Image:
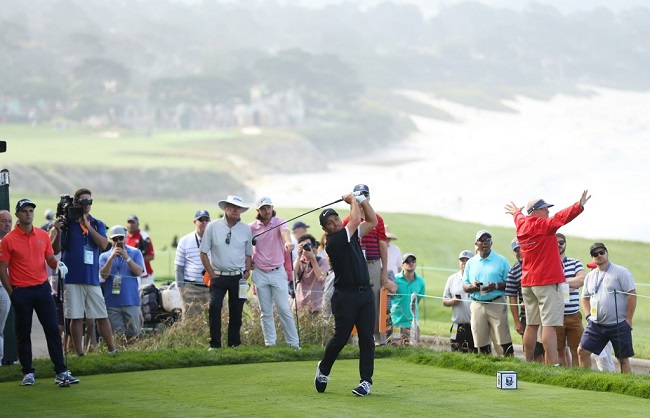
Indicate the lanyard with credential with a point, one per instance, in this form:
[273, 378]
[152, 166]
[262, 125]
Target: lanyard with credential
[600, 282]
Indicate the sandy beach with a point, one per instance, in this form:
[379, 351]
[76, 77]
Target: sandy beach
[468, 170]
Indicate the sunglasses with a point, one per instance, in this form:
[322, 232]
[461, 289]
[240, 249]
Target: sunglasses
[228, 238]
[561, 242]
[598, 253]
[85, 202]
[486, 239]
[117, 239]
[203, 219]
[410, 261]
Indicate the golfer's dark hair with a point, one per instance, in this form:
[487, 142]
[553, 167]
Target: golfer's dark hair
[310, 237]
[259, 217]
[82, 191]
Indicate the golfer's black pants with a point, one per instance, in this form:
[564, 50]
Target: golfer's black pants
[218, 288]
[352, 308]
[26, 301]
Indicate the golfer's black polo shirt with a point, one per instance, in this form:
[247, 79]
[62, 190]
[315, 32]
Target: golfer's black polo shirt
[348, 262]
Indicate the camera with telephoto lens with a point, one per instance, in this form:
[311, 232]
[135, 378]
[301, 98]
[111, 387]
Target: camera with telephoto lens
[306, 246]
[67, 210]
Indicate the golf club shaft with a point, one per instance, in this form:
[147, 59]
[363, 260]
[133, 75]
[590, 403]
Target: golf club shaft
[295, 217]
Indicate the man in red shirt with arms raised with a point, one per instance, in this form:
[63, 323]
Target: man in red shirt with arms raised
[542, 271]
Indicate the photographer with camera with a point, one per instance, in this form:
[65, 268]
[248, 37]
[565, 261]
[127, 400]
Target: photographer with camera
[310, 271]
[140, 240]
[121, 269]
[81, 238]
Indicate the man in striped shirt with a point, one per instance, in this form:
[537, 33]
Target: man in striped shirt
[516, 299]
[570, 334]
[189, 269]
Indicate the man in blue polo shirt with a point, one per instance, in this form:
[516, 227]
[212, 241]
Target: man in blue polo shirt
[80, 242]
[485, 280]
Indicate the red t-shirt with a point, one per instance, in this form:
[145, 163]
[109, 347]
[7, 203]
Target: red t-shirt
[134, 241]
[370, 241]
[26, 254]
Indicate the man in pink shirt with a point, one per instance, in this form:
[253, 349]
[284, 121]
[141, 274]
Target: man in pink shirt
[269, 275]
[542, 271]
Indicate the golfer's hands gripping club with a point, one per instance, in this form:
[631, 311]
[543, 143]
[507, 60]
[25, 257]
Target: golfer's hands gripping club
[359, 196]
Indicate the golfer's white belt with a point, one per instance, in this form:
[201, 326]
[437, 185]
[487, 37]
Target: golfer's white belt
[228, 273]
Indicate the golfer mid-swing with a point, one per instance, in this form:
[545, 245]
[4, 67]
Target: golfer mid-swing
[353, 302]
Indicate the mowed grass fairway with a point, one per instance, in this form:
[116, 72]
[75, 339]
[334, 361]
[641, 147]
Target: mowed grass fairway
[287, 390]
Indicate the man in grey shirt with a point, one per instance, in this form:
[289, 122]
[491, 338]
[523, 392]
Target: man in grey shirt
[609, 302]
[229, 242]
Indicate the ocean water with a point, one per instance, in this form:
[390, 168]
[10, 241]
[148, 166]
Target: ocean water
[469, 169]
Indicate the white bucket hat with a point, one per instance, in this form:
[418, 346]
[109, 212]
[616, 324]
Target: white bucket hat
[233, 200]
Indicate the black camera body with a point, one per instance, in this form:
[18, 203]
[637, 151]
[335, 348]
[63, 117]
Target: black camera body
[67, 210]
[306, 246]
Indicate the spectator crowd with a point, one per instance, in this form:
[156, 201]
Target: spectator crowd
[94, 276]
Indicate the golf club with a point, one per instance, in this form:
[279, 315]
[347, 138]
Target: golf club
[254, 240]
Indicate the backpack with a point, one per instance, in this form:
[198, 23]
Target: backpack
[150, 304]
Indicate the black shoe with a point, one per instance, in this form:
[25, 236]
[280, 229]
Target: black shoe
[320, 381]
[363, 389]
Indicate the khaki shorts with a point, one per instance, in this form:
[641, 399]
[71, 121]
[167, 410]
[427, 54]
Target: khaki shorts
[544, 305]
[486, 316]
[571, 332]
[80, 299]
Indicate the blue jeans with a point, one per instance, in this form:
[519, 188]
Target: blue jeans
[26, 301]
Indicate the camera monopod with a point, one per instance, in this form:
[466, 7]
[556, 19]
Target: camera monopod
[295, 217]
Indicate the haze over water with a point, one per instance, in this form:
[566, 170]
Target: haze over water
[469, 169]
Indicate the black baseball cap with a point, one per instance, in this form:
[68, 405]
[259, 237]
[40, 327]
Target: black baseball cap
[326, 214]
[361, 188]
[24, 202]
